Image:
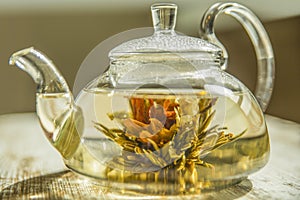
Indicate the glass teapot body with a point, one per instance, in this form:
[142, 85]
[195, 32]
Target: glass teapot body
[207, 129]
[165, 118]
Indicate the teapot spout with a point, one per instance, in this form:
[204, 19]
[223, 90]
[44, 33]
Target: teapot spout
[41, 69]
[60, 118]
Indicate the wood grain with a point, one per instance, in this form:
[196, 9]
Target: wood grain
[31, 169]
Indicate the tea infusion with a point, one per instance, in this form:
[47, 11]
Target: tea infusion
[165, 138]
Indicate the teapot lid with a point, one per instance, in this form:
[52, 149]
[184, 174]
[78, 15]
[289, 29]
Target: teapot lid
[166, 41]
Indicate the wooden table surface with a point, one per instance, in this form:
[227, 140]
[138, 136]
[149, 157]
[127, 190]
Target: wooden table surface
[31, 169]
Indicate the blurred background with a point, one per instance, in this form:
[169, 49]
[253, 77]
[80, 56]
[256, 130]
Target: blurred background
[68, 30]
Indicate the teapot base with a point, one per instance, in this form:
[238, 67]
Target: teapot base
[229, 170]
[157, 190]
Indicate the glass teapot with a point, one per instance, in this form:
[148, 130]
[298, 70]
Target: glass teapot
[165, 118]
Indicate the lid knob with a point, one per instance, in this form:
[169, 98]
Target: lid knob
[164, 16]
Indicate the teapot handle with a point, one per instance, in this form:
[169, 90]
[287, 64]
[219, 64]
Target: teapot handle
[259, 38]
